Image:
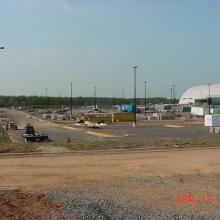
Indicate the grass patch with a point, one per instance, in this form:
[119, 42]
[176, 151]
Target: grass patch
[150, 144]
[20, 148]
[4, 139]
[72, 145]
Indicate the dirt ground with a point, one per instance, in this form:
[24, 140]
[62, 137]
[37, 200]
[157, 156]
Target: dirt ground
[158, 177]
[27, 206]
[37, 172]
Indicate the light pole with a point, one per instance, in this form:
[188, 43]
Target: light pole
[122, 95]
[135, 98]
[174, 95]
[2, 48]
[95, 97]
[71, 98]
[171, 96]
[145, 97]
[209, 98]
[46, 96]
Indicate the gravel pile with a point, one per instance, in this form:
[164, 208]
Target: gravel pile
[87, 206]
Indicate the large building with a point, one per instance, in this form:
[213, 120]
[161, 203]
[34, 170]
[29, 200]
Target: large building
[200, 94]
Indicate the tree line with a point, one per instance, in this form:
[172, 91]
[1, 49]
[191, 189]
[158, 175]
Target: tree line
[43, 101]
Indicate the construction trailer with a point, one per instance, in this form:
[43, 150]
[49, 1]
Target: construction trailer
[213, 122]
[199, 110]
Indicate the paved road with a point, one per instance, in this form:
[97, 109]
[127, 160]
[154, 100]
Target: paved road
[55, 132]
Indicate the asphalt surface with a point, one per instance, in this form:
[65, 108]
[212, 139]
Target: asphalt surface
[55, 132]
[162, 130]
[145, 130]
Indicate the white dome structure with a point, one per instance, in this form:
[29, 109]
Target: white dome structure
[200, 93]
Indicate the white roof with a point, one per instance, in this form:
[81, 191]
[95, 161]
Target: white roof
[200, 92]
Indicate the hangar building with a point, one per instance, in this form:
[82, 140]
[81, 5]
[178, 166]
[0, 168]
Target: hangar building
[200, 94]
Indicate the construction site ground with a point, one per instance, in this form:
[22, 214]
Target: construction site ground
[144, 180]
[145, 130]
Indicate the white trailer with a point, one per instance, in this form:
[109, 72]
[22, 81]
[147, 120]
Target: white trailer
[199, 111]
[213, 122]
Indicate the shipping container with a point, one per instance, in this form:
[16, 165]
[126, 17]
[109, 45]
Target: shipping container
[128, 108]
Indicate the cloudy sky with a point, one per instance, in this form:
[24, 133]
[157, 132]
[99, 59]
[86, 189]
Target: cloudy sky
[49, 43]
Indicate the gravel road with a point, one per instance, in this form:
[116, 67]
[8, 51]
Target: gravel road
[90, 207]
[131, 185]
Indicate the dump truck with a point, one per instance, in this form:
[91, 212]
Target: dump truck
[31, 135]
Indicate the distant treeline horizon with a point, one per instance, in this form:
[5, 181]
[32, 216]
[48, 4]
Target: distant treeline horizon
[43, 101]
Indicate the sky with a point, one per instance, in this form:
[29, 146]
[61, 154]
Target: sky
[50, 43]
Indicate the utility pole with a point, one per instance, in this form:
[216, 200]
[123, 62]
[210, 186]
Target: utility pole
[95, 98]
[135, 98]
[145, 98]
[71, 98]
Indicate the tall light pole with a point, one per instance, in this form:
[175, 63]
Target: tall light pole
[135, 98]
[46, 96]
[95, 97]
[123, 93]
[2, 48]
[171, 95]
[145, 97]
[71, 98]
[209, 98]
[174, 94]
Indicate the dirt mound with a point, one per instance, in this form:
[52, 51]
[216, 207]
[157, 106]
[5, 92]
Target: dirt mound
[27, 206]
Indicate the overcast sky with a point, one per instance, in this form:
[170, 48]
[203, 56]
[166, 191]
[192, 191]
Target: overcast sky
[49, 43]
